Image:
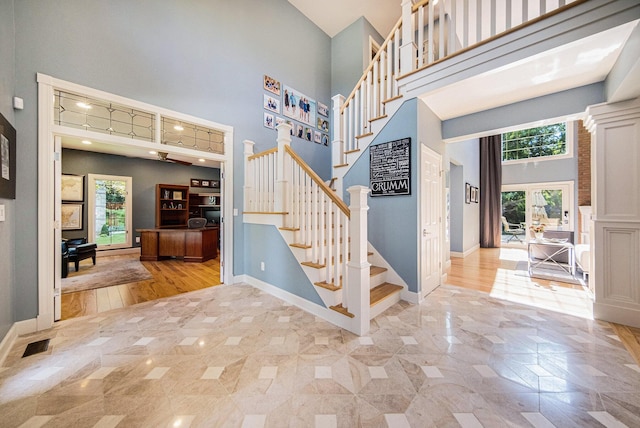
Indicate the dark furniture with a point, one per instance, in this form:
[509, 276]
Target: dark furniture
[65, 260]
[79, 249]
[192, 245]
[172, 205]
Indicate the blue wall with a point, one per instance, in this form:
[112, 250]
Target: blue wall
[393, 219]
[465, 218]
[206, 59]
[281, 267]
[350, 55]
[7, 228]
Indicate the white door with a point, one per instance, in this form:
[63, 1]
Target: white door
[430, 214]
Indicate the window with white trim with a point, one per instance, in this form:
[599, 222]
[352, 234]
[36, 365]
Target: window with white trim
[549, 141]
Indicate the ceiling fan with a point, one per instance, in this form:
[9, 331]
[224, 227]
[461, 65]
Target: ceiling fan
[163, 156]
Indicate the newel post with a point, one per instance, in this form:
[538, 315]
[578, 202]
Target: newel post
[358, 265]
[408, 49]
[337, 145]
[248, 176]
[282, 168]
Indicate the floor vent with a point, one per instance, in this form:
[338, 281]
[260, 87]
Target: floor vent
[36, 347]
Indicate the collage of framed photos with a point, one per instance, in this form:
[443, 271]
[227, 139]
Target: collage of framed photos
[309, 119]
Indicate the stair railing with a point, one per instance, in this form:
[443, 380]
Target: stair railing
[278, 181]
[428, 32]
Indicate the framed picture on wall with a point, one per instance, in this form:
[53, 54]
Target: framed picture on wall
[271, 85]
[71, 215]
[7, 159]
[72, 188]
[269, 121]
[467, 193]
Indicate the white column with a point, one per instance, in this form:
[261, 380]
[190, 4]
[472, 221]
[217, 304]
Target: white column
[337, 145]
[615, 204]
[282, 175]
[248, 176]
[358, 267]
[408, 48]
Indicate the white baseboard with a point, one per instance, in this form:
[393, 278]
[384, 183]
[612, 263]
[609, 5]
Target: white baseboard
[466, 253]
[410, 296]
[7, 344]
[325, 313]
[27, 326]
[617, 314]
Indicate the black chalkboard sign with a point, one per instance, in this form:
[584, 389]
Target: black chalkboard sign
[390, 168]
[7, 159]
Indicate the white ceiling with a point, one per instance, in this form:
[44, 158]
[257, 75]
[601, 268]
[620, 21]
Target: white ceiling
[333, 16]
[576, 64]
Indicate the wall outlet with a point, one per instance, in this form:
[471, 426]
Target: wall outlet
[137, 239]
[262, 266]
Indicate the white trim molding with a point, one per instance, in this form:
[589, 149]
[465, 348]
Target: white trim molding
[615, 204]
[49, 196]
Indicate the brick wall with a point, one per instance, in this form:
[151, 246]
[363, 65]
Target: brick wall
[584, 165]
[584, 171]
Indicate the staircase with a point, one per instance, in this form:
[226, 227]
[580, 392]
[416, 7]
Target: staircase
[428, 33]
[327, 238]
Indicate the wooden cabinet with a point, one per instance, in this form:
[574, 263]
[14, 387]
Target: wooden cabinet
[172, 205]
[206, 205]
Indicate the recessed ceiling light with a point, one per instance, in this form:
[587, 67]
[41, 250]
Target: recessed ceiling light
[86, 142]
[153, 152]
[178, 128]
[83, 105]
[201, 160]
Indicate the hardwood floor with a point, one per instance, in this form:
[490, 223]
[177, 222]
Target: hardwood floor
[170, 277]
[497, 271]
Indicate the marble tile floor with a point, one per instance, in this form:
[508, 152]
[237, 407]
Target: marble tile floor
[233, 356]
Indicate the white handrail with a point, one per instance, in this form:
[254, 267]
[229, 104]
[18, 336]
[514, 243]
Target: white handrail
[279, 181]
[428, 32]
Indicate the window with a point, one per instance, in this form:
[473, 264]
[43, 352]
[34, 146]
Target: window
[550, 204]
[540, 142]
[110, 211]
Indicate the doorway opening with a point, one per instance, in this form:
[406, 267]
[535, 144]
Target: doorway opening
[123, 134]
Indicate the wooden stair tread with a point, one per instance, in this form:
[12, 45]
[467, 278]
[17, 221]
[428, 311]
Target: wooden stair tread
[376, 270]
[377, 295]
[368, 134]
[304, 246]
[328, 286]
[292, 229]
[322, 265]
[351, 151]
[342, 165]
[383, 291]
[378, 118]
[397, 97]
[339, 308]
[313, 265]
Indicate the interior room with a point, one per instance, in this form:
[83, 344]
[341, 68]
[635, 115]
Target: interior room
[384, 213]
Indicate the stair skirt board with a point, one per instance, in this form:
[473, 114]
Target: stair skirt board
[326, 314]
